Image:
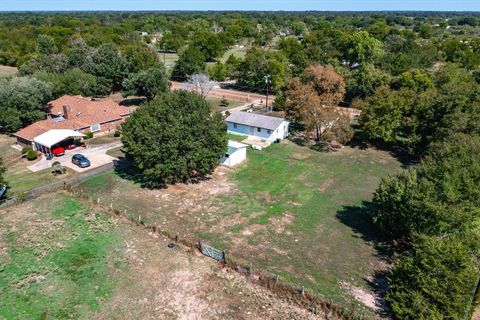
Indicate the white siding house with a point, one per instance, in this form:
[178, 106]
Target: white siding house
[257, 126]
[236, 153]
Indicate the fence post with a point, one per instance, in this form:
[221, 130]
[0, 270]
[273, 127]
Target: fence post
[98, 200]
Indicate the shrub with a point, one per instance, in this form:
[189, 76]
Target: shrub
[117, 134]
[26, 149]
[224, 103]
[89, 135]
[31, 155]
[55, 163]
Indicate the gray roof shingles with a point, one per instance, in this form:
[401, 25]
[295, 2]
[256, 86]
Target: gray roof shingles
[255, 120]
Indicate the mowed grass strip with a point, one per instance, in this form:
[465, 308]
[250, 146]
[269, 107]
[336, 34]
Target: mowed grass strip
[58, 263]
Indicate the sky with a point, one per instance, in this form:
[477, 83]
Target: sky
[287, 5]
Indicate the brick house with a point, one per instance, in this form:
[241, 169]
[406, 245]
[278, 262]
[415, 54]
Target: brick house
[79, 114]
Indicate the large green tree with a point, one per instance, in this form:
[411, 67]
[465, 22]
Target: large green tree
[259, 63]
[362, 48]
[46, 45]
[71, 82]
[139, 57]
[191, 61]
[421, 112]
[439, 196]
[174, 138]
[209, 44]
[22, 101]
[148, 83]
[109, 67]
[436, 279]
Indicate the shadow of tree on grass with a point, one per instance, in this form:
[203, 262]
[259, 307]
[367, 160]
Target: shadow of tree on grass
[125, 169]
[358, 218]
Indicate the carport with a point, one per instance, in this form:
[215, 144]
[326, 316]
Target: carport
[47, 140]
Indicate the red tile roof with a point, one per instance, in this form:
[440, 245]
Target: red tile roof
[82, 113]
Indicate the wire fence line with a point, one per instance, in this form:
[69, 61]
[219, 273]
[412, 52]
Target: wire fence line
[285, 289]
[55, 186]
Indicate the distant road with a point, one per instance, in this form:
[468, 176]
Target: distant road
[248, 97]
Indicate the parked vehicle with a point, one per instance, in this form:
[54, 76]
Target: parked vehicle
[3, 191]
[80, 160]
[59, 151]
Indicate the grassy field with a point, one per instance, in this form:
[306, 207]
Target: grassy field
[288, 209]
[18, 176]
[215, 104]
[236, 51]
[60, 259]
[170, 59]
[103, 139]
[6, 71]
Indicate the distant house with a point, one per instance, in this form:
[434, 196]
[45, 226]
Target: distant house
[257, 126]
[76, 113]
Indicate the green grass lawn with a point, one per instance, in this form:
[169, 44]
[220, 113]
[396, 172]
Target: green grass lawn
[289, 209]
[170, 59]
[18, 176]
[116, 152]
[236, 137]
[58, 260]
[103, 139]
[21, 179]
[215, 104]
[237, 52]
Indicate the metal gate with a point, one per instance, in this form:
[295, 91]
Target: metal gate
[211, 252]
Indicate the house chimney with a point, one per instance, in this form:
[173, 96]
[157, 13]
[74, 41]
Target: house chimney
[66, 111]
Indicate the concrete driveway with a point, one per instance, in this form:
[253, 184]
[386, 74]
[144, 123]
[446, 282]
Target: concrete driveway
[96, 154]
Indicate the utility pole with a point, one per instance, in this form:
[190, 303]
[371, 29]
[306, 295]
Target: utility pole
[267, 82]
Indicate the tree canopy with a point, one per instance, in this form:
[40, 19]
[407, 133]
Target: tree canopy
[22, 101]
[174, 138]
[148, 83]
[313, 101]
[191, 61]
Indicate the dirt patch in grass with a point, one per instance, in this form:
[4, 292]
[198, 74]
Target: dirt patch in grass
[279, 223]
[138, 277]
[365, 297]
[300, 218]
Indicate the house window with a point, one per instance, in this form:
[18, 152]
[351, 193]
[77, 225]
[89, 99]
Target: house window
[259, 129]
[95, 127]
[269, 131]
[235, 126]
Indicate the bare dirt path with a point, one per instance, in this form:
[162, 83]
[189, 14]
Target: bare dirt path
[248, 97]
